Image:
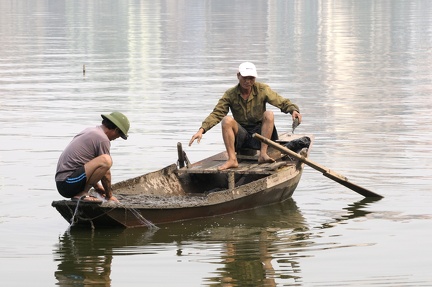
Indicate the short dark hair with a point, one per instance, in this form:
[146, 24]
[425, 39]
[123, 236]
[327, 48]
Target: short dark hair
[109, 124]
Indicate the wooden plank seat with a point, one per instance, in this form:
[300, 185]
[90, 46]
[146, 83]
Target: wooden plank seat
[248, 163]
[247, 159]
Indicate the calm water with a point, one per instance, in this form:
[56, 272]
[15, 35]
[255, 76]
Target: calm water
[359, 70]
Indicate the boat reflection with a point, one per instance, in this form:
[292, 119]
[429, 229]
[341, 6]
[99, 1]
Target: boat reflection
[256, 247]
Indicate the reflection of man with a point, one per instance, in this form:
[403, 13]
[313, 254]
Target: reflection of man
[247, 102]
[80, 265]
[242, 269]
[259, 254]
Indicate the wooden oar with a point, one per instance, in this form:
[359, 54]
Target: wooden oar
[325, 171]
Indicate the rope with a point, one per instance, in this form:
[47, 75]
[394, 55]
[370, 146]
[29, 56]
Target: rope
[76, 217]
[73, 221]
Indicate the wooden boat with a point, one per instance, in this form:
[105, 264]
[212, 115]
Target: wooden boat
[184, 191]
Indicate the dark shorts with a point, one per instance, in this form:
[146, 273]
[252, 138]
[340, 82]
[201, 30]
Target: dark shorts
[244, 137]
[74, 184]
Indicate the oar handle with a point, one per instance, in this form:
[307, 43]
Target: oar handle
[310, 163]
[285, 150]
[325, 171]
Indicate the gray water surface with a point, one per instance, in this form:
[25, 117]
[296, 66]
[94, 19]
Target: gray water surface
[360, 72]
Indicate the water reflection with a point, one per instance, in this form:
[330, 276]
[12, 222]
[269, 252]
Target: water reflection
[85, 258]
[356, 209]
[256, 248]
[82, 261]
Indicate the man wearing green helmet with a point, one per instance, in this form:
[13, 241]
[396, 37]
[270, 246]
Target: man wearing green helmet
[87, 160]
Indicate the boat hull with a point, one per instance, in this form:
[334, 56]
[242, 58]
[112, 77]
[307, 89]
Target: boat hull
[94, 214]
[184, 193]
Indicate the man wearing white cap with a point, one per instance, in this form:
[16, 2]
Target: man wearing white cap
[247, 102]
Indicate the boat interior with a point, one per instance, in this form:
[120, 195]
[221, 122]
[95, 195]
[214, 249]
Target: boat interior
[203, 177]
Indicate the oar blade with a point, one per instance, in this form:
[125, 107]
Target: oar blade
[324, 170]
[360, 190]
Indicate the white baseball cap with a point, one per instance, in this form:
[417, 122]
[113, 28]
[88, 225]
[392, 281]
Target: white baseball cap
[247, 69]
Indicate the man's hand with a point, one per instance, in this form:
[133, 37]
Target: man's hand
[297, 115]
[99, 189]
[197, 136]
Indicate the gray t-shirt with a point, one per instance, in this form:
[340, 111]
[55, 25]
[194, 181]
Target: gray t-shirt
[85, 146]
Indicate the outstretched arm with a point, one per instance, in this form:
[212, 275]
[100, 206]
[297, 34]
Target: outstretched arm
[197, 136]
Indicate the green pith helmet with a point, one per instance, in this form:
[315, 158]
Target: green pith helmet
[120, 121]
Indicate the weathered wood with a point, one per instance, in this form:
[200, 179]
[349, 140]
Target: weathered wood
[231, 178]
[243, 168]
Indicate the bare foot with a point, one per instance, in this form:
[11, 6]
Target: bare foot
[231, 163]
[265, 159]
[113, 198]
